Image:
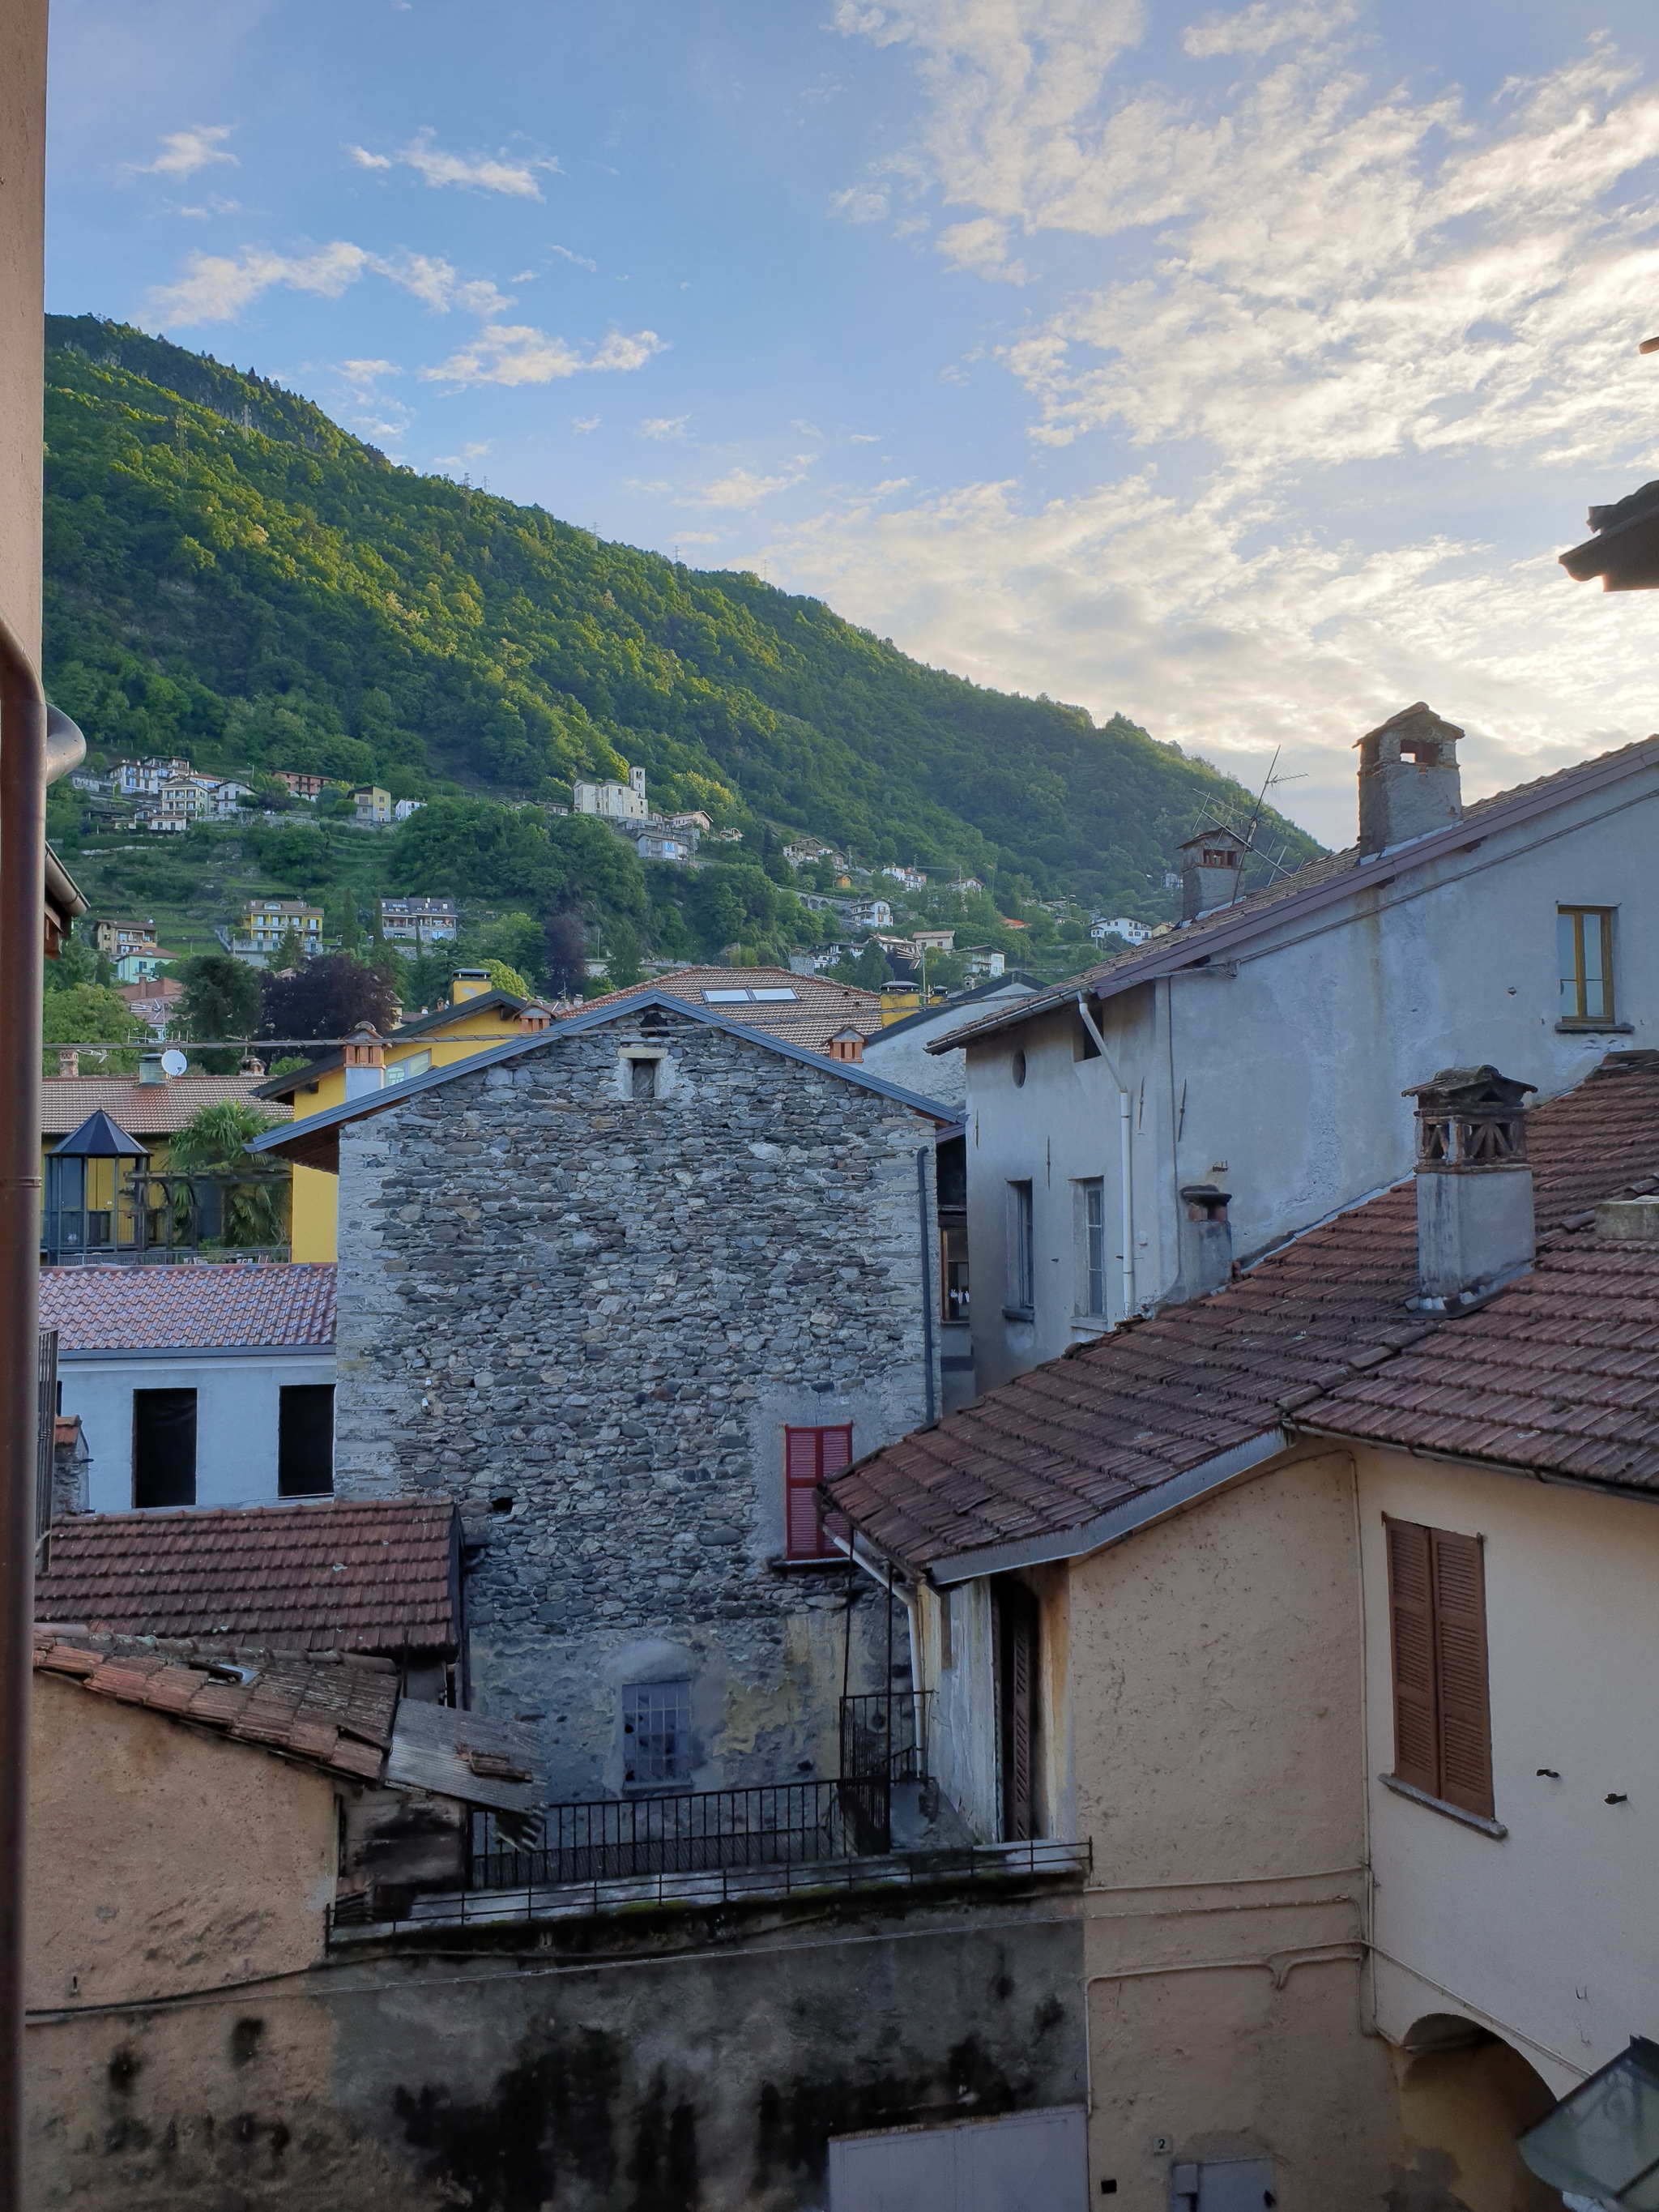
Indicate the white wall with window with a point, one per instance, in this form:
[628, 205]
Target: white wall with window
[201, 1427]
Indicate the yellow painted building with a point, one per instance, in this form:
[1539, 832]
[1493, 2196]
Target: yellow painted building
[478, 1018]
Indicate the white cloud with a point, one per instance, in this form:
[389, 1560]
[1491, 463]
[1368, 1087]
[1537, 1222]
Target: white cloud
[860, 203]
[511, 175]
[664, 426]
[742, 488]
[183, 152]
[981, 247]
[581, 260]
[583, 424]
[216, 287]
[518, 353]
[367, 371]
[438, 285]
[1260, 27]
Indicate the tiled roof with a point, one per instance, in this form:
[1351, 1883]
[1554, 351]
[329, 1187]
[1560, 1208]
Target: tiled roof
[143, 1110]
[1111, 1420]
[333, 1712]
[203, 1305]
[1329, 875]
[819, 1010]
[341, 1575]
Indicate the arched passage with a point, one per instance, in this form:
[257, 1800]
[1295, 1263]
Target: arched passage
[1464, 2096]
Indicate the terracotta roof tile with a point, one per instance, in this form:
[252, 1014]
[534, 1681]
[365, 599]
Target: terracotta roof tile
[341, 1575]
[144, 1110]
[130, 1309]
[1320, 1328]
[819, 1010]
[290, 1702]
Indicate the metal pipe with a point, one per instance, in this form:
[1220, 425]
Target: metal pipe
[22, 903]
[1126, 1158]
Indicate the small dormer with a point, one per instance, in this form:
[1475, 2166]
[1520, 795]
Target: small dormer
[1209, 866]
[1409, 783]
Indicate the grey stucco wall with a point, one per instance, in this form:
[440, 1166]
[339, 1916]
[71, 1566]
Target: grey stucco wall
[630, 2067]
[238, 1405]
[589, 1317]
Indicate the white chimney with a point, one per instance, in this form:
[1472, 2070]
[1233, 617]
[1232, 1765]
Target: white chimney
[1409, 783]
[1474, 1222]
[365, 1061]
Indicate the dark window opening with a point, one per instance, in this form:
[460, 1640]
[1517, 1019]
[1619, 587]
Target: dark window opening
[304, 1440]
[1016, 1698]
[642, 1078]
[1022, 1253]
[809, 1456]
[656, 1734]
[953, 1267]
[163, 1448]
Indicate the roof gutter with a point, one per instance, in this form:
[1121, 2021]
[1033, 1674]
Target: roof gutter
[1118, 1522]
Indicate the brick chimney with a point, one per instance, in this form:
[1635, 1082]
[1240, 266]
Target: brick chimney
[1409, 783]
[847, 1044]
[365, 1061]
[1474, 1225]
[1209, 872]
[68, 1061]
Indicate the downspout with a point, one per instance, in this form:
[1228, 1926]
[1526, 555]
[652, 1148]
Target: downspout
[1126, 1158]
[927, 1286]
[36, 745]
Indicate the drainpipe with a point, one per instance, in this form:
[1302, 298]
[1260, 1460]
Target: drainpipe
[37, 745]
[1126, 1158]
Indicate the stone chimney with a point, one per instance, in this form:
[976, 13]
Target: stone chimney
[1474, 1225]
[1408, 779]
[365, 1061]
[68, 1061]
[847, 1044]
[1209, 866]
[1205, 1239]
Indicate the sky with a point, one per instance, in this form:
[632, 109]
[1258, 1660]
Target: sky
[1240, 371]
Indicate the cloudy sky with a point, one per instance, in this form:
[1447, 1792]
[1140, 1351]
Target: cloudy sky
[1242, 371]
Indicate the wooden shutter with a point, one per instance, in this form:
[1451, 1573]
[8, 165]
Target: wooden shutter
[1459, 1624]
[809, 1456]
[1017, 1623]
[1411, 1615]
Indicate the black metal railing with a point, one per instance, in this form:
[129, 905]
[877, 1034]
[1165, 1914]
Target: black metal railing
[885, 1735]
[617, 1839]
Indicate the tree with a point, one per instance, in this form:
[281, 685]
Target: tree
[503, 978]
[222, 996]
[251, 1188]
[327, 998]
[515, 939]
[565, 961]
[86, 1012]
[870, 971]
[290, 954]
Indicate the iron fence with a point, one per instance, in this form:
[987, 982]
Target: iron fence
[614, 1839]
[885, 1735]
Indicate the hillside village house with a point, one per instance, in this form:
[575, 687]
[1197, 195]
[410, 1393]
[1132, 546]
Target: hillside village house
[115, 939]
[266, 921]
[197, 1385]
[1311, 1603]
[1134, 1132]
[612, 801]
[626, 1289]
[372, 805]
[419, 921]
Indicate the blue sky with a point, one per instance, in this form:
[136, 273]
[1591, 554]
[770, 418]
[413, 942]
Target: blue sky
[1242, 370]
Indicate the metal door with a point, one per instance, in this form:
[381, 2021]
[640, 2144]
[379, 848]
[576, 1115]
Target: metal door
[1225, 2184]
[1026, 2162]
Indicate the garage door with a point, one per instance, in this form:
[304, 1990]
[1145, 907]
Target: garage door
[1027, 2162]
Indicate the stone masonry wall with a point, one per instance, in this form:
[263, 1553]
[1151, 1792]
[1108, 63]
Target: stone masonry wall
[589, 1316]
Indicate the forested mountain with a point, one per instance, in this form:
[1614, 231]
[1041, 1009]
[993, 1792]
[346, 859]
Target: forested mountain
[231, 575]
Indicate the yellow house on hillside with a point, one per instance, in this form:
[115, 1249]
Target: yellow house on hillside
[477, 1018]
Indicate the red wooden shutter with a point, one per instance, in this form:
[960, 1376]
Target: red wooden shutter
[1459, 1622]
[809, 1456]
[1410, 1613]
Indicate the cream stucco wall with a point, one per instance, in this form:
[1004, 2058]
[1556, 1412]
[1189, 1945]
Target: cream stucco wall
[1547, 1936]
[163, 1859]
[22, 211]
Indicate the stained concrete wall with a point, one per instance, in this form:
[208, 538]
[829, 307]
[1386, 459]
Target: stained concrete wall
[589, 1318]
[163, 1860]
[699, 2064]
[22, 229]
[1278, 1074]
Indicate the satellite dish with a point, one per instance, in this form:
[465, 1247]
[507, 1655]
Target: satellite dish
[173, 1061]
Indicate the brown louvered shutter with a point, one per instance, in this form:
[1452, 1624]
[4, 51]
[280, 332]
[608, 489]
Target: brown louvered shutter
[809, 1455]
[1459, 1621]
[1411, 1615]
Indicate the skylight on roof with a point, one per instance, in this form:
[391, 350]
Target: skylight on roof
[726, 998]
[768, 997]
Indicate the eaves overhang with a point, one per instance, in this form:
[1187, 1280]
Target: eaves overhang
[1189, 949]
[308, 1142]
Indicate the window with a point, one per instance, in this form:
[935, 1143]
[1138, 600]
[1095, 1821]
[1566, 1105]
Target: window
[656, 1734]
[1438, 1616]
[953, 1269]
[163, 1448]
[304, 1440]
[1017, 1068]
[810, 1455]
[1584, 941]
[1016, 1687]
[1092, 1232]
[405, 1070]
[1022, 1253]
[642, 1078]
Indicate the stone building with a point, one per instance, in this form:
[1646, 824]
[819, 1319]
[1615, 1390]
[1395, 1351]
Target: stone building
[627, 1290]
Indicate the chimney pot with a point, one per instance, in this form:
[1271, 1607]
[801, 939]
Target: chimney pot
[1474, 1218]
[1210, 866]
[69, 1060]
[151, 1069]
[847, 1045]
[1409, 783]
[365, 1061]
